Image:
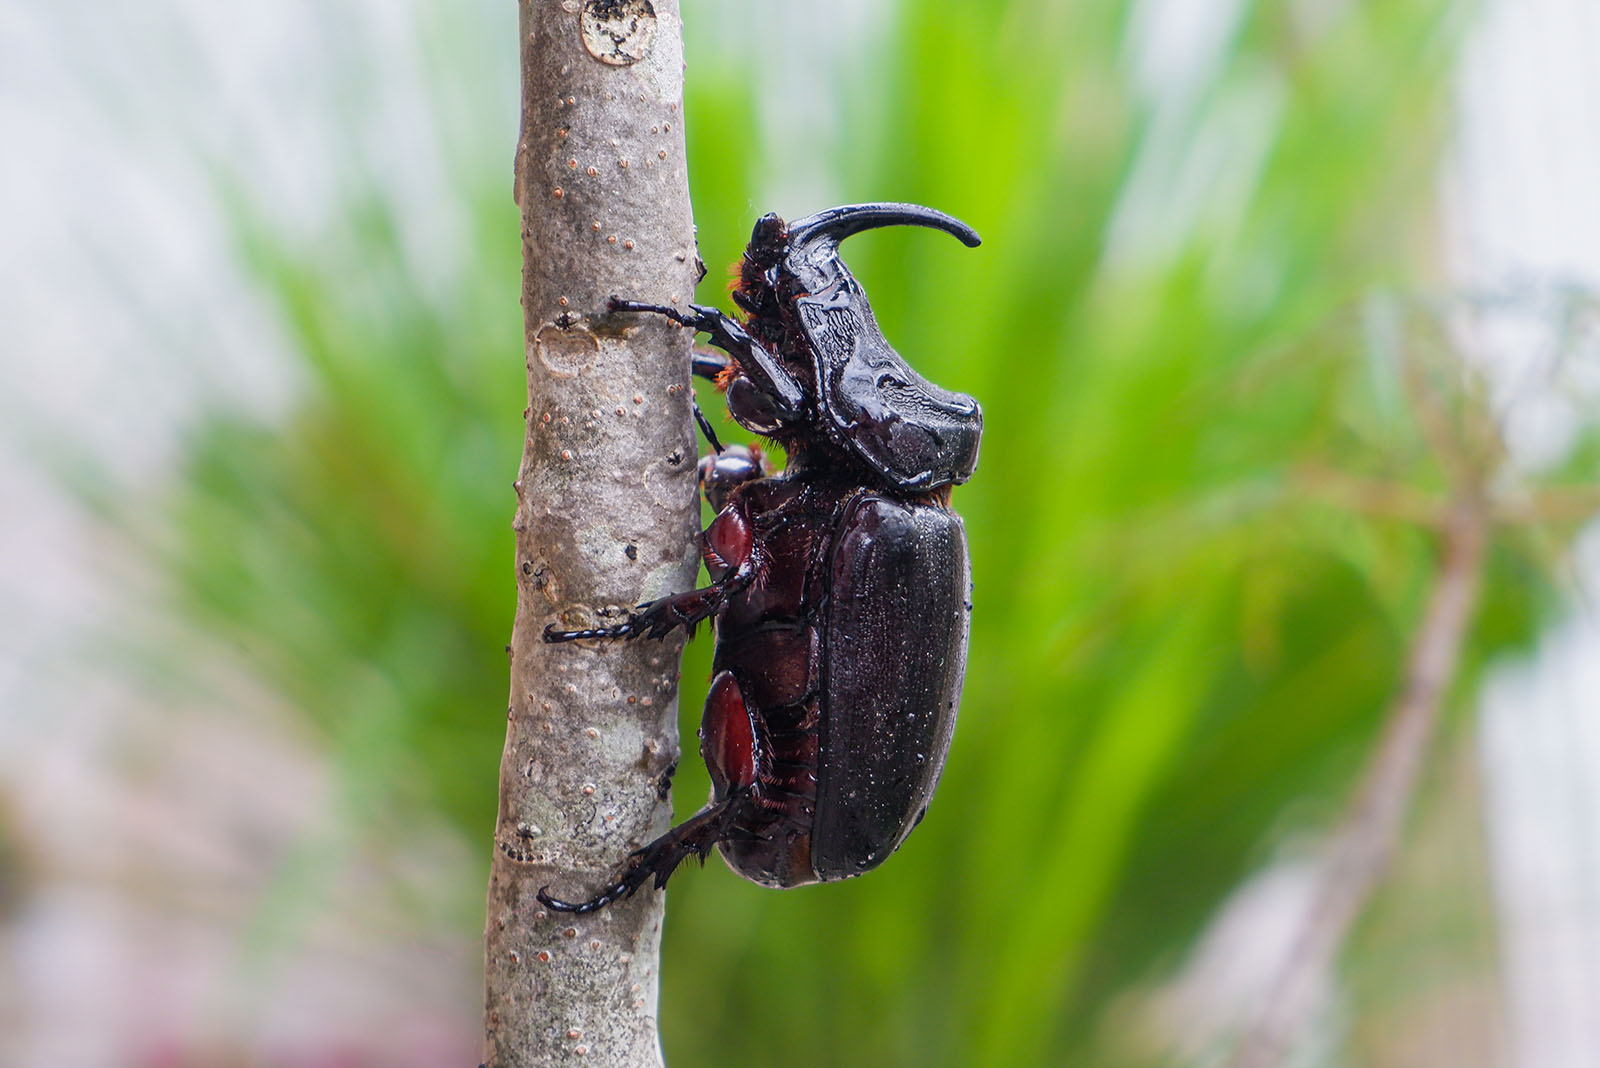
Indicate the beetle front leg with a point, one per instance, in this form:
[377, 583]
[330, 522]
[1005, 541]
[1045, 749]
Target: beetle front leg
[709, 364]
[730, 335]
[697, 835]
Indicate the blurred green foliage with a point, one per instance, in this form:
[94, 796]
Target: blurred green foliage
[1177, 654]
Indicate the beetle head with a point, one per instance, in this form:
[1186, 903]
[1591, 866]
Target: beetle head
[768, 242]
[910, 431]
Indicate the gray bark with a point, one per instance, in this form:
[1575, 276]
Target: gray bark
[606, 517]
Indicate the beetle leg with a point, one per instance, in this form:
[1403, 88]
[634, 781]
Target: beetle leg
[713, 366]
[661, 617]
[721, 474]
[709, 364]
[734, 557]
[730, 335]
[705, 428]
[697, 835]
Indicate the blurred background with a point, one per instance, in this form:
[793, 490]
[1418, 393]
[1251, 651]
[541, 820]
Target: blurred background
[1267, 288]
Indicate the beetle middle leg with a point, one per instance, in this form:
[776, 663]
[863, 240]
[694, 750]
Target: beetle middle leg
[705, 427]
[661, 617]
[734, 557]
[714, 366]
[696, 836]
[722, 473]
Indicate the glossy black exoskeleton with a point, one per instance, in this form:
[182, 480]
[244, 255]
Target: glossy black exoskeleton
[839, 588]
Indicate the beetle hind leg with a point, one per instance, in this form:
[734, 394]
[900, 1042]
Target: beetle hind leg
[696, 836]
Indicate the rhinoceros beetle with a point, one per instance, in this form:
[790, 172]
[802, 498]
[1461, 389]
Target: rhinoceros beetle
[839, 588]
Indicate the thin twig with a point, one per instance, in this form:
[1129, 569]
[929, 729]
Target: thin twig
[1372, 497]
[605, 518]
[1557, 504]
[1374, 821]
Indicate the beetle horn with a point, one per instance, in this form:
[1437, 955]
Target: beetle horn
[828, 228]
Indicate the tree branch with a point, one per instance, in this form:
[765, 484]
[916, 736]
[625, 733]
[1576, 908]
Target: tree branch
[1373, 497]
[606, 517]
[1373, 823]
